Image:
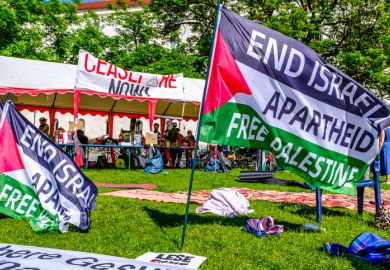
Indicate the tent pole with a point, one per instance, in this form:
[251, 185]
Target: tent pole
[199, 126]
[152, 110]
[52, 114]
[76, 104]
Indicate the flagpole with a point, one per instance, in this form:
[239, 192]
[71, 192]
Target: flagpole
[199, 126]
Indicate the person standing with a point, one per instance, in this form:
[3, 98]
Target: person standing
[190, 140]
[44, 127]
[173, 134]
[156, 127]
[384, 149]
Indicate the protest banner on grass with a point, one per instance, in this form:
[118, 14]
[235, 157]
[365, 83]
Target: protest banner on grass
[14, 257]
[38, 181]
[269, 91]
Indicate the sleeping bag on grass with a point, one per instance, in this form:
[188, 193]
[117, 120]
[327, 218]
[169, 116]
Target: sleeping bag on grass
[217, 163]
[367, 246]
[154, 163]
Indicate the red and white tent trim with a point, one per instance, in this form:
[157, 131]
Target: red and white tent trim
[46, 86]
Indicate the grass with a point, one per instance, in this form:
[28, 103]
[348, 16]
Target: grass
[128, 228]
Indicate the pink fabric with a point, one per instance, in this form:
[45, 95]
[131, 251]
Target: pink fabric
[145, 186]
[152, 110]
[156, 196]
[10, 159]
[110, 124]
[76, 105]
[201, 196]
[162, 125]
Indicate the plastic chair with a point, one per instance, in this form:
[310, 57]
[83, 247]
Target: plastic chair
[360, 193]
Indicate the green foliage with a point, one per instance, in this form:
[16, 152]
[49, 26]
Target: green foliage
[133, 28]
[351, 34]
[175, 36]
[36, 29]
[90, 37]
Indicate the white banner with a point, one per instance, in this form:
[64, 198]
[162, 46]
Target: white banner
[16, 257]
[97, 75]
[185, 260]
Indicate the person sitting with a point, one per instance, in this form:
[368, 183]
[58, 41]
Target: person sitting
[44, 127]
[190, 139]
[81, 136]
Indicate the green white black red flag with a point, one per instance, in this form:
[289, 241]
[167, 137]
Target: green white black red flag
[269, 91]
[38, 181]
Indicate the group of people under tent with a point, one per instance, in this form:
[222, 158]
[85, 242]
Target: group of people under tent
[176, 142]
[173, 138]
[45, 129]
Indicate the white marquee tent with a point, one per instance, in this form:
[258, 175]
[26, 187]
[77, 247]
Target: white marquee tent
[46, 86]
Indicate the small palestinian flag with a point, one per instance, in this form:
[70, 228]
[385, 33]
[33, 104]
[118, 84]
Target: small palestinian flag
[38, 181]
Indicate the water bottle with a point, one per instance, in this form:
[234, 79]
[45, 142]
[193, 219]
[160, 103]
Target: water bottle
[313, 227]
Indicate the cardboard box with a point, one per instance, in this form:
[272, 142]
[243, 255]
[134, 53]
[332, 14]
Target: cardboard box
[79, 125]
[151, 138]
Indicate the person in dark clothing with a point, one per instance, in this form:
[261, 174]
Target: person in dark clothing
[190, 138]
[155, 130]
[82, 138]
[173, 134]
[172, 137]
[190, 141]
[166, 135]
[44, 127]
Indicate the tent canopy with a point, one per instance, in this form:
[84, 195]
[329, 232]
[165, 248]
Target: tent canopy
[40, 85]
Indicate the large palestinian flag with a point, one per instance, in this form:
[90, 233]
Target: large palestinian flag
[268, 91]
[38, 181]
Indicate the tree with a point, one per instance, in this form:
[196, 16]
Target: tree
[133, 28]
[36, 29]
[89, 36]
[351, 34]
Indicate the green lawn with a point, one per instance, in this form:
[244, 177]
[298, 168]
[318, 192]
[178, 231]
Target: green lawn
[129, 228]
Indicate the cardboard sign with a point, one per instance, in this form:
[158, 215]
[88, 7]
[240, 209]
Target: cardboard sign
[151, 138]
[73, 126]
[184, 260]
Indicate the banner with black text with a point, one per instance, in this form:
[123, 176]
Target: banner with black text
[39, 181]
[17, 257]
[269, 91]
[94, 74]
